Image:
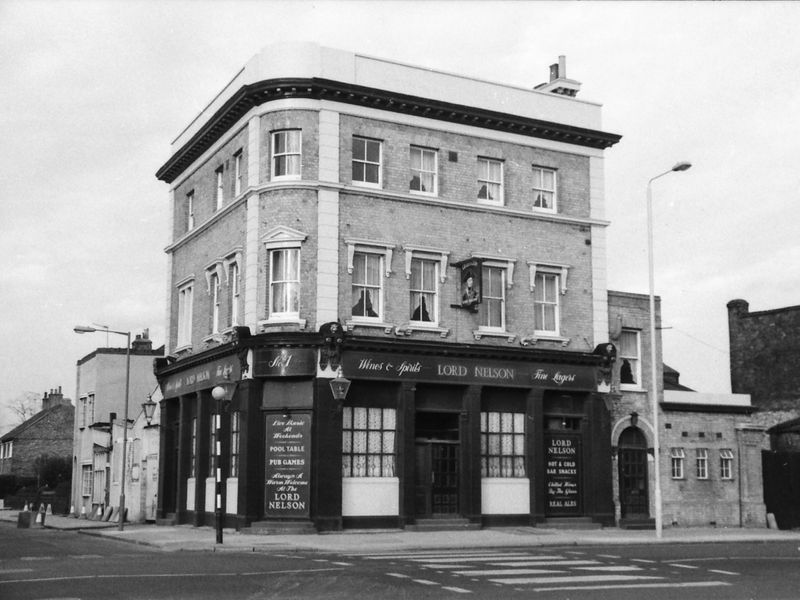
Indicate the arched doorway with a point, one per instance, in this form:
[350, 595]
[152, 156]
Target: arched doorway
[633, 494]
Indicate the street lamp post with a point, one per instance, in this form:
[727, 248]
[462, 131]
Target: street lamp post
[127, 334]
[681, 166]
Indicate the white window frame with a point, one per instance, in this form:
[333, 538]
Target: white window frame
[87, 479]
[484, 179]
[234, 274]
[282, 238]
[365, 288]
[220, 189]
[369, 450]
[677, 462]
[539, 189]
[637, 364]
[285, 284]
[484, 309]
[190, 211]
[216, 284]
[561, 271]
[440, 257]
[726, 464]
[237, 173]
[364, 161]
[419, 153]
[287, 154]
[185, 313]
[496, 461]
[701, 463]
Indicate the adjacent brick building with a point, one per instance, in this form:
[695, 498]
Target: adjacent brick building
[47, 433]
[437, 240]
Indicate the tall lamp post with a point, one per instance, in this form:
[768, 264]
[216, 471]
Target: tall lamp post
[681, 166]
[223, 394]
[127, 334]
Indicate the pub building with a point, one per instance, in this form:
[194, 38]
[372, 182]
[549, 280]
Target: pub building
[434, 240]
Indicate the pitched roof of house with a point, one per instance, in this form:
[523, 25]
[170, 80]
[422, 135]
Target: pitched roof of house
[34, 420]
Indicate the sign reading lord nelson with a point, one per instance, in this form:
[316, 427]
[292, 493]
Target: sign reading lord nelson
[562, 474]
[439, 369]
[288, 465]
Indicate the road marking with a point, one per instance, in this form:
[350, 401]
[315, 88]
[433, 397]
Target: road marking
[608, 556]
[643, 560]
[573, 579]
[723, 572]
[424, 581]
[486, 572]
[4, 571]
[456, 559]
[544, 563]
[342, 564]
[32, 558]
[680, 566]
[619, 568]
[399, 575]
[458, 590]
[631, 586]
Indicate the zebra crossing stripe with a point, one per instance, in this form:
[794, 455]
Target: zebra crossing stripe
[457, 559]
[544, 563]
[572, 579]
[688, 584]
[486, 572]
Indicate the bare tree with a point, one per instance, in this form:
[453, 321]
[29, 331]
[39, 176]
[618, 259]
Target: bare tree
[25, 406]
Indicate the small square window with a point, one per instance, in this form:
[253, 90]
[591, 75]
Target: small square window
[366, 162]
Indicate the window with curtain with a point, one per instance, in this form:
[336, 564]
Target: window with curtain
[490, 181]
[286, 153]
[493, 310]
[424, 291]
[284, 282]
[545, 303]
[235, 441]
[502, 444]
[423, 170]
[367, 299]
[630, 371]
[544, 189]
[368, 441]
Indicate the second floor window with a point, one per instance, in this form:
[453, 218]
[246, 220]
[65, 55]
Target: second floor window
[544, 189]
[545, 303]
[284, 282]
[490, 181]
[424, 291]
[366, 161]
[367, 285]
[185, 300]
[237, 173]
[423, 170]
[701, 463]
[493, 311]
[286, 153]
[190, 211]
[629, 356]
[220, 195]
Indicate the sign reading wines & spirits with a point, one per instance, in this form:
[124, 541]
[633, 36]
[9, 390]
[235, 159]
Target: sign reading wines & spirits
[288, 465]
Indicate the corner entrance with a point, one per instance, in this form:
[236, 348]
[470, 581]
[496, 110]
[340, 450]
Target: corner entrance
[437, 447]
[633, 495]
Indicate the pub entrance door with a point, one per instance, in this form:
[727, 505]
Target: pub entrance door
[633, 494]
[437, 450]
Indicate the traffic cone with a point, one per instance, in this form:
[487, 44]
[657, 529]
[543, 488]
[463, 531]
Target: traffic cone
[72, 510]
[83, 512]
[27, 508]
[49, 510]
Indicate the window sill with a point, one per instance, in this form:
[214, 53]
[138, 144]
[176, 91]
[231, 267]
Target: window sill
[409, 328]
[480, 333]
[281, 322]
[624, 387]
[426, 194]
[546, 211]
[536, 338]
[214, 338]
[388, 328]
[366, 184]
[491, 202]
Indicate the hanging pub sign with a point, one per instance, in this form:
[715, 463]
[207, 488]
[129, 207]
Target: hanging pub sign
[470, 284]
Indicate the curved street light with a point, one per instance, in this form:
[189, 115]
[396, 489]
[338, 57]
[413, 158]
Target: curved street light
[86, 329]
[681, 166]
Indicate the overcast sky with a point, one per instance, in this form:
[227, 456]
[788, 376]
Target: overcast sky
[93, 93]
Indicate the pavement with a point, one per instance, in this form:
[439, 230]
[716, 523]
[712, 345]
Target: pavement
[190, 538]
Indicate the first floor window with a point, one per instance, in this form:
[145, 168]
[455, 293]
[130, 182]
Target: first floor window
[424, 290]
[366, 161]
[545, 303]
[629, 356]
[86, 480]
[493, 311]
[185, 299]
[233, 294]
[286, 153]
[726, 463]
[368, 441]
[367, 285]
[502, 444]
[701, 463]
[235, 440]
[423, 170]
[677, 456]
[490, 181]
[215, 286]
[544, 189]
[284, 282]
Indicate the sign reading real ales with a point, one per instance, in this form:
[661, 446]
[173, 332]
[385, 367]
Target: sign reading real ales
[562, 474]
[288, 465]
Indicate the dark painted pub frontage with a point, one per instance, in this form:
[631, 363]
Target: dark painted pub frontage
[473, 435]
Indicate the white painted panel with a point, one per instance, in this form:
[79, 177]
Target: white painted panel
[211, 494]
[505, 496]
[231, 495]
[190, 485]
[370, 496]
